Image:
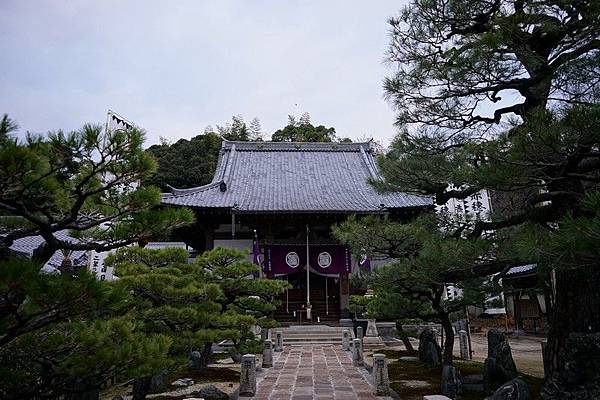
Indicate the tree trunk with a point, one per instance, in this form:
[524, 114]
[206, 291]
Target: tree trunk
[572, 354]
[43, 253]
[141, 387]
[404, 338]
[448, 340]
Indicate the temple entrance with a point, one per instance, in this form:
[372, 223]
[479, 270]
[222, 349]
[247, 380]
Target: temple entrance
[324, 298]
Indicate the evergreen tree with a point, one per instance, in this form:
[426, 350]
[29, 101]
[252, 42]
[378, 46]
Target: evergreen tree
[195, 305]
[256, 133]
[303, 131]
[185, 163]
[422, 260]
[84, 182]
[237, 130]
[460, 66]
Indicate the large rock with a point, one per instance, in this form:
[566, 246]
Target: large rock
[158, 382]
[515, 389]
[494, 338]
[210, 392]
[499, 367]
[451, 382]
[430, 352]
[195, 360]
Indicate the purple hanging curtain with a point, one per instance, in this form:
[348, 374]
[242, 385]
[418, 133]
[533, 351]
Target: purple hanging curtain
[324, 259]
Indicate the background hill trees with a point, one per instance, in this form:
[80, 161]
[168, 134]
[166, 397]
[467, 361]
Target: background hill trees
[191, 163]
[503, 95]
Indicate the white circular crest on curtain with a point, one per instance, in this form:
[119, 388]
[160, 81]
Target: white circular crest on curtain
[292, 259]
[324, 259]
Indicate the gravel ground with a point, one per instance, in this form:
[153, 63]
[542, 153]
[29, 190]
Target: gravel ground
[526, 351]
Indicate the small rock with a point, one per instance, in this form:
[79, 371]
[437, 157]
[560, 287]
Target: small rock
[430, 352]
[512, 390]
[409, 358]
[451, 382]
[211, 392]
[183, 382]
[227, 360]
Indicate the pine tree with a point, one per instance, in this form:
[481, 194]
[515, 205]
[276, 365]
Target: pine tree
[422, 260]
[85, 183]
[459, 66]
[195, 305]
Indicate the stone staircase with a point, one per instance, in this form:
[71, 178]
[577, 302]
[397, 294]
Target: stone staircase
[302, 335]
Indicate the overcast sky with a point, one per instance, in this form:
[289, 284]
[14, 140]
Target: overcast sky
[174, 67]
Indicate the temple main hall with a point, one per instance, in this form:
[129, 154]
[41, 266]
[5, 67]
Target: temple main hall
[287, 196]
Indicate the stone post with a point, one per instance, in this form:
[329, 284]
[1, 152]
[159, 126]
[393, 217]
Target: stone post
[380, 375]
[345, 340]
[267, 360]
[278, 341]
[248, 376]
[464, 345]
[357, 353]
[359, 332]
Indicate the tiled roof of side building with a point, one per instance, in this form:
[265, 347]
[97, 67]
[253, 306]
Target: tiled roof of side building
[27, 245]
[295, 177]
[521, 269]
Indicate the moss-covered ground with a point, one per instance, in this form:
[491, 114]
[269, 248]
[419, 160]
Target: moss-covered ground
[403, 375]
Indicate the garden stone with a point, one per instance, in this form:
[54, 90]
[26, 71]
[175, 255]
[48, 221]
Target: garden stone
[409, 358]
[357, 353]
[267, 359]
[248, 376]
[196, 361]
[451, 382]
[345, 340]
[499, 367]
[158, 382]
[183, 382]
[210, 392]
[494, 338]
[430, 352]
[380, 375]
[515, 389]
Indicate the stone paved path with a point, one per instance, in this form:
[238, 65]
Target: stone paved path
[314, 372]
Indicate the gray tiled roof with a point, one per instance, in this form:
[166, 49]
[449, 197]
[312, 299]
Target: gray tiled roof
[27, 245]
[294, 177]
[521, 269]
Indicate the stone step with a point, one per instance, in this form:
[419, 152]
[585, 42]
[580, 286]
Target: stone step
[323, 343]
[313, 339]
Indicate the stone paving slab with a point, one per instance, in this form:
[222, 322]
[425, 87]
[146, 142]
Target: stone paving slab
[314, 372]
